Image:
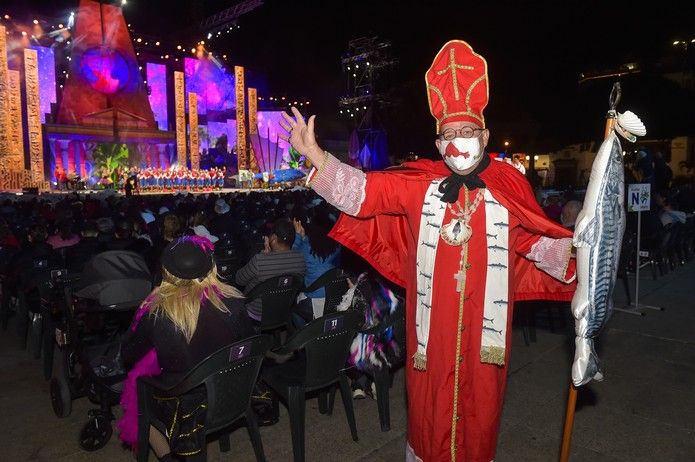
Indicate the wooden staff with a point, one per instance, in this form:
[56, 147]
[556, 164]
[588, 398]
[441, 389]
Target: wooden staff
[572, 397]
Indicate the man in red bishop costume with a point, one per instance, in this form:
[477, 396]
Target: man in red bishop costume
[466, 238]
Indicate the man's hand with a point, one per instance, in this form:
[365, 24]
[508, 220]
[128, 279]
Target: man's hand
[266, 244]
[301, 136]
[298, 228]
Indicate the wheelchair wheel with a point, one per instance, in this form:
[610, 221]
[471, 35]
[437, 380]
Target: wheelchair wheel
[96, 433]
[60, 397]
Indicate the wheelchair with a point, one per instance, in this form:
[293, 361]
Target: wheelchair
[88, 328]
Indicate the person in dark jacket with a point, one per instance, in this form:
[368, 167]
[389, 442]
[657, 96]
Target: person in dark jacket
[184, 320]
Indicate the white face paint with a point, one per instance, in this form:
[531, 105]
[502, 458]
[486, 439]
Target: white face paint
[461, 154]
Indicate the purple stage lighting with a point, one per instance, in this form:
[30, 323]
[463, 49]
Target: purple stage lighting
[157, 83]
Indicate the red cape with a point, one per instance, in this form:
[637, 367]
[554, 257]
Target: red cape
[382, 240]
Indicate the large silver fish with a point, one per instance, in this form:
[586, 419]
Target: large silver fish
[598, 236]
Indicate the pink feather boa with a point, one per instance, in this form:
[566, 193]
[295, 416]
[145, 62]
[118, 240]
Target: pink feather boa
[128, 423]
[148, 365]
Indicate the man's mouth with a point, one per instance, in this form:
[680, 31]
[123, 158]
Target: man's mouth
[452, 151]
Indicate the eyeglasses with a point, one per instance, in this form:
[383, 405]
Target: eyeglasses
[466, 132]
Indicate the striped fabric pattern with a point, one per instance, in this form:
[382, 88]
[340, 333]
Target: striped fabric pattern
[265, 266]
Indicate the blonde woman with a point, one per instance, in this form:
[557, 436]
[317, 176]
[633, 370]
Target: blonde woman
[189, 316]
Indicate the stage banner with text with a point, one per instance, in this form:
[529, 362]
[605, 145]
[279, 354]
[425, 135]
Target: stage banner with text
[193, 130]
[5, 128]
[31, 76]
[180, 106]
[253, 126]
[240, 119]
[17, 133]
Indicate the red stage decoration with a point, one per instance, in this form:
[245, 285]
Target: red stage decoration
[104, 70]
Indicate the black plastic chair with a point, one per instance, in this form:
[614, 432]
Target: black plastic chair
[335, 283]
[278, 296]
[322, 348]
[383, 377]
[228, 262]
[229, 376]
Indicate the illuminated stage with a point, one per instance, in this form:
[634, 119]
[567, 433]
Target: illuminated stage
[100, 97]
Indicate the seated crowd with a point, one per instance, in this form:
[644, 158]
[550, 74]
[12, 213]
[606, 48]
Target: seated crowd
[205, 253]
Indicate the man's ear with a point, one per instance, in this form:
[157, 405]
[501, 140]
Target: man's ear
[438, 143]
[486, 137]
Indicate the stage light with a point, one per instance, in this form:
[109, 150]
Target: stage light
[124, 2]
[7, 16]
[224, 56]
[193, 50]
[24, 33]
[60, 26]
[139, 40]
[202, 42]
[36, 21]
[166, 56]
[156, 43]
[209, 35]
[178, 47]
[367, 63]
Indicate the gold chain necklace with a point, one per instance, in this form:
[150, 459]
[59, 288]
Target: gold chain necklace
[458, 231]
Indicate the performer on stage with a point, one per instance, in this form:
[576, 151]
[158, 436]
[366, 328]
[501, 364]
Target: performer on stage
[466, 238]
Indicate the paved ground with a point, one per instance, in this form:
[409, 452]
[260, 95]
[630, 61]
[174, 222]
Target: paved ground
[642, 411]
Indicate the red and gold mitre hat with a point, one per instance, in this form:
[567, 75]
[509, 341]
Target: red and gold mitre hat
[457, 84]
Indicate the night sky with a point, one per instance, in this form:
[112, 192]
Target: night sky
[535, 52]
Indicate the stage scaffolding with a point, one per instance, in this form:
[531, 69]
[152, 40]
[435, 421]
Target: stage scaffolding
[367, 65]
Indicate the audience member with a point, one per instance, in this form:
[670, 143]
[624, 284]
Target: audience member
[64, 237]
[570, 210]
[77, 255]
[184, 320]
[552, 207]
[321, 254]
[276, 259]
[223, 220]
[199, 226]
[662, 172]
[516, 162]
